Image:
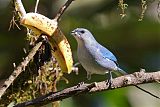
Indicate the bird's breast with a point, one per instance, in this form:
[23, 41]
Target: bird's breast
[88, 61]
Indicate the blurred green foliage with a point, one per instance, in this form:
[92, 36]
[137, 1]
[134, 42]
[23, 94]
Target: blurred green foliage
[136, 44]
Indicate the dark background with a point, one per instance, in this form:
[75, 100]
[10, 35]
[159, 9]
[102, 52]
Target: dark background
[136, 45]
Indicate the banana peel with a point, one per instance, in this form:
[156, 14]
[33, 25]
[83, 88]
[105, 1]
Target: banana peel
[63, 47]
[61, 50]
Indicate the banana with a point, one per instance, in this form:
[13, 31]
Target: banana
[40, 24]
[65, 58]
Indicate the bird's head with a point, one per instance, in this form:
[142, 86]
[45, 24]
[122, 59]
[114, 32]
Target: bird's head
[82, 34]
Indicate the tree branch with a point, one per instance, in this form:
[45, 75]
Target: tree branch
[19, 7]
[62, 9]
[83, 88]
[18, 69]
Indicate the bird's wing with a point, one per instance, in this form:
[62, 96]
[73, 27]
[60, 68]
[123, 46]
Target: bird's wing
[106, 53]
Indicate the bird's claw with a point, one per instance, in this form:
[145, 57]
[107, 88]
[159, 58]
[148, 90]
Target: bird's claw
[109, 83]
[80, 84]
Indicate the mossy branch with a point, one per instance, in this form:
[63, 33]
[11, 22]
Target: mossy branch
[18, 69]
[84, 88]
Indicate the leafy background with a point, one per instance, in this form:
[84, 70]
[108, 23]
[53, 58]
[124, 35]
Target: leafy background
[136, 45]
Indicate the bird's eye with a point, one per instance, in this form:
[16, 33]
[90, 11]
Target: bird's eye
[82, 31]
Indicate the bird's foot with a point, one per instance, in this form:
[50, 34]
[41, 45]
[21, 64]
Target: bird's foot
[109, 80]
[109, 83]
[80, 84]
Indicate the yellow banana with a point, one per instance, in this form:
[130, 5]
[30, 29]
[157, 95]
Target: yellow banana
[39, 22]
[65, 58]
[59, 43]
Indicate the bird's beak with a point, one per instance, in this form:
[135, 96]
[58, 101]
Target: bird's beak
[73, 33]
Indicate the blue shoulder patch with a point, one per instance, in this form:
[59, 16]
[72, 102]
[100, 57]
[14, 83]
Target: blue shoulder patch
[106, 53]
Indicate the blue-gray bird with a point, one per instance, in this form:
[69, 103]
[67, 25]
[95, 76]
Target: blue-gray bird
[95, 58]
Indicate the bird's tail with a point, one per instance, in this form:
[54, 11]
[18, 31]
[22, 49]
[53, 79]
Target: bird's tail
[121, 72]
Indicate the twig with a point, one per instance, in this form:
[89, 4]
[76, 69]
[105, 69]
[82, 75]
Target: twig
[62, 9]
[18, 70]
[36, 6]
[19, 8]
[119, 82]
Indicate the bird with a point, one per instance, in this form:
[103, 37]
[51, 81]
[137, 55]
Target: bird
[95, 58]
